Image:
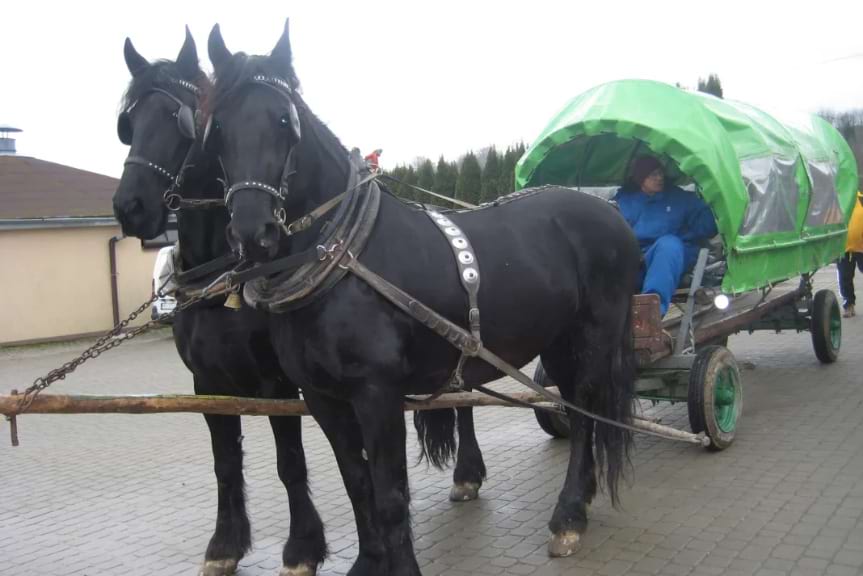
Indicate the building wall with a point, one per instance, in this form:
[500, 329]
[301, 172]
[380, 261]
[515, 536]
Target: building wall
[57, 282]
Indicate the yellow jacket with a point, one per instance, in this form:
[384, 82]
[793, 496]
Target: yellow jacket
[855, 227]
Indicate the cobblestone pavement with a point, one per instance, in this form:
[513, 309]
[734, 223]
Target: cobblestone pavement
[134, 495]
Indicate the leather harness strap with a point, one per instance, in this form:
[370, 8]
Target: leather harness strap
[464, 341]
[219, 264]
[348, 231]
[468, 274]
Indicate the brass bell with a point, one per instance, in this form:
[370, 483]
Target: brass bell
[234, 302]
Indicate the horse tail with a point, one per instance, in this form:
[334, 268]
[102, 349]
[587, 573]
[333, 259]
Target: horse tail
[614, 399]
[436, 435]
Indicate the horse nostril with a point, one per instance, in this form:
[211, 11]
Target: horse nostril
[131, 206]
[234, 239]
[267, 236]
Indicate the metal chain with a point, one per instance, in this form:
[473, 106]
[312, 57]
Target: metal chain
[108, 341]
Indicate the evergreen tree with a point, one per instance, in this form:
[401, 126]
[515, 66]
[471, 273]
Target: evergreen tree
[410, 177]
[441, 177]
[445, 178]
[469, 183]
[507, 178]
[490, 177]
[398, 173]
[711, 86]
[425, 179]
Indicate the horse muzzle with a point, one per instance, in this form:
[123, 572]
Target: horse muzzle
[259, 242]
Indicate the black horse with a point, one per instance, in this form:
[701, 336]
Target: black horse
[558, 273]
[228, 352]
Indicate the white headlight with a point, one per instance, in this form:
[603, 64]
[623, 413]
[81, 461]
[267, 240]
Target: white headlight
[721, 301]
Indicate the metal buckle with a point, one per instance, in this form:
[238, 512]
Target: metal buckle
[299, 225]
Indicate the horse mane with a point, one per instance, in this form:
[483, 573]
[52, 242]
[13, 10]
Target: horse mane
[240, 69]
[160, 75]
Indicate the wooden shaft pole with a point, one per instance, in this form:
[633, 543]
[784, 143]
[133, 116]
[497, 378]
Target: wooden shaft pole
[154, 404]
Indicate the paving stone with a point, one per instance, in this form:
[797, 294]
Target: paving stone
[112, 494]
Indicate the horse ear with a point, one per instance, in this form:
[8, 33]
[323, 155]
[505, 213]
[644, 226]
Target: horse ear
[134, 61]
[219, 53]
[282, 52]
[187, 59]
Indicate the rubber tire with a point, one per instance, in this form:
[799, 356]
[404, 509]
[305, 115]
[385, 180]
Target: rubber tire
[555, 425]
[702, 379]
[823, 306]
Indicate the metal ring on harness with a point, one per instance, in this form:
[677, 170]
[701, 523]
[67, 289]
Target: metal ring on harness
[173, 201]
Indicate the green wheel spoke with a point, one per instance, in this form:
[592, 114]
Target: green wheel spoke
[835, 327]
[725, 400]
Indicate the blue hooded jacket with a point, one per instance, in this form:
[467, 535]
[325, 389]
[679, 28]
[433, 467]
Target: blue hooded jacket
[671, 211]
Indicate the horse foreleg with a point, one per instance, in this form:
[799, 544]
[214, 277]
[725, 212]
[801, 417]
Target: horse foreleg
[339, 424]
[306, 547]
[381, 416]
[469, 468]
[232, 537]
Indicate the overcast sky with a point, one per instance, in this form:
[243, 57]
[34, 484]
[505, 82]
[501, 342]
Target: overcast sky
[423, 78]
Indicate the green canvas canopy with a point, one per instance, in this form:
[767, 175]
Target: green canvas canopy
[781, 192]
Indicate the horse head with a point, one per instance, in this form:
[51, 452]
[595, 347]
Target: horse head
[255, 128]
[158, 123]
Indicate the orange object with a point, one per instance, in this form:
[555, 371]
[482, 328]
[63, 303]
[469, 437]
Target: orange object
[854, 242]
[373, 159]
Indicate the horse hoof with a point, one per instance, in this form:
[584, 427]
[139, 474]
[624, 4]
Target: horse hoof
[464, 492]
[299, 570]
[563, 544]
[224, 567]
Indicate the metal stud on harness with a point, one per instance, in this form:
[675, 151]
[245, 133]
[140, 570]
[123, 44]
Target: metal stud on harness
[468, 274]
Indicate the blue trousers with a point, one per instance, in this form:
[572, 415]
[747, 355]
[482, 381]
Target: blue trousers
[665, 261]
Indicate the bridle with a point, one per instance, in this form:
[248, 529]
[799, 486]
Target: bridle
[186, 125]
[280, 194]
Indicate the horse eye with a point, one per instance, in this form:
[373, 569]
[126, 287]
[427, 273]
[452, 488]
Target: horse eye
[285, 121]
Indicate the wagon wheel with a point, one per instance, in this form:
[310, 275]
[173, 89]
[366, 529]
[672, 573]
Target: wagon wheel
[825, 323]
[554, 424]
[715, 395]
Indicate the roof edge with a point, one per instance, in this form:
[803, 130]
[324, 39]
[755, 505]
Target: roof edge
[61, 222]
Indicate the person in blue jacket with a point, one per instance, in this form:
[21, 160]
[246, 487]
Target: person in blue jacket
[669, 223]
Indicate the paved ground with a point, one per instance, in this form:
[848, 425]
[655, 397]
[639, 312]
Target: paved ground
[106, 495]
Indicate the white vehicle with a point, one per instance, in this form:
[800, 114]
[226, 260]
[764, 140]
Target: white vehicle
[162, 271]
